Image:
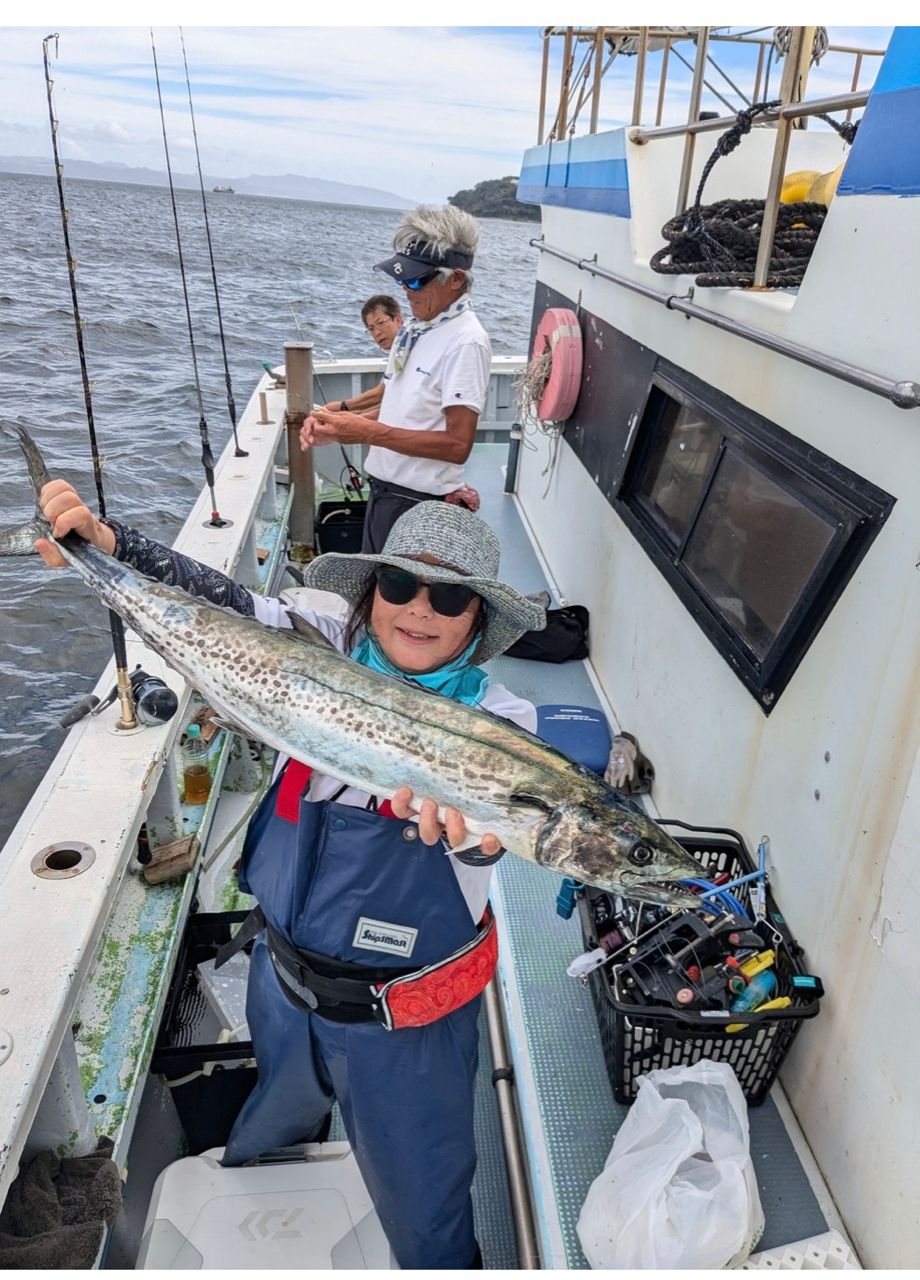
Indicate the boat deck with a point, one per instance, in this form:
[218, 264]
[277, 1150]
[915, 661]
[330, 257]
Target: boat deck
[569, 1116]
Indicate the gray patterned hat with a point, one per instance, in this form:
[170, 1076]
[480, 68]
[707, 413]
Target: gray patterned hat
[438, 542]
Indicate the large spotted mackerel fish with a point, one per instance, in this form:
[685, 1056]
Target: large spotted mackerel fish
[292, 690]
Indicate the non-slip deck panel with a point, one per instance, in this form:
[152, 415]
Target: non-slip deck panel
[569, 1116]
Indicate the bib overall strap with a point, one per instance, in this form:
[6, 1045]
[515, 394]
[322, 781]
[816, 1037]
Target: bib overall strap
[251, 927]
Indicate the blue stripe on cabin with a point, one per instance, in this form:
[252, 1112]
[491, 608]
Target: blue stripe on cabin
[578, 173]
[885, 156]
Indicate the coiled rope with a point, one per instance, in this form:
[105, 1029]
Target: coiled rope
[718, 242]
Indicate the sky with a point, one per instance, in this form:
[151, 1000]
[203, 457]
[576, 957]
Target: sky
[421, 111]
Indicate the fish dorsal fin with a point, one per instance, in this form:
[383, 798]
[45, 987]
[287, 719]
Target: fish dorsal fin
[223, 723]
[308, 631]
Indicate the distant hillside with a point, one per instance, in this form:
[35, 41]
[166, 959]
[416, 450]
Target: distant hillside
[293, 186]
[495, 198]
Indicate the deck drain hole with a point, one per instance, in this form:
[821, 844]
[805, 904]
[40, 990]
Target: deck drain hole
[63, 860]
[100, 1097]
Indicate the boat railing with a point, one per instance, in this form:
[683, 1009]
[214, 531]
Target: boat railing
[800, 47]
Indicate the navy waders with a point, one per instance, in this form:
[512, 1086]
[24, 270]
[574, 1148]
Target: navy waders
[360, 887]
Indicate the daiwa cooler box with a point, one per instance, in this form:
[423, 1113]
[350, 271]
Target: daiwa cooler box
[307, 1208]
[637, 1038]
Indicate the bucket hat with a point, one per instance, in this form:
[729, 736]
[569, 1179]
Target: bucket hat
[438, 542]
[419, 260]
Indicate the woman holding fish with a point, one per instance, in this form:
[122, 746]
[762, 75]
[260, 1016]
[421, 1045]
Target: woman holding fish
[374, 938]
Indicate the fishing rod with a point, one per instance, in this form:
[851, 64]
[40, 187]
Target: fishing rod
[207, 457]
[128, 718]
[231, 403]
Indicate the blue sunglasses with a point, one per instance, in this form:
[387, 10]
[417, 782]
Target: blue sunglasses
[419, 282]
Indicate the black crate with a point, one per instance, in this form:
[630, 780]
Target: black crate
[207, 1104]
[641, 1038]
[339, 526]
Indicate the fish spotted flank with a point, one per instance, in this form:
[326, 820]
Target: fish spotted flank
[292, 690]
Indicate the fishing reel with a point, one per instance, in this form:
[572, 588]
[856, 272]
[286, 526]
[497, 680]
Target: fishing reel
[154, 701]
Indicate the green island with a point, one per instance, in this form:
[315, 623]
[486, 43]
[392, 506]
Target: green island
[495, 198]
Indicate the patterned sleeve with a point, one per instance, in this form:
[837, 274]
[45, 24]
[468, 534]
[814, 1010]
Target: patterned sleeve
[177, 570]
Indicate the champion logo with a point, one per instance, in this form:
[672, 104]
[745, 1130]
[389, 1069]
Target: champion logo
[380, 935]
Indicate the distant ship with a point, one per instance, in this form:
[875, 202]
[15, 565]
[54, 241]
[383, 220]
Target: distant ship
[224, 190]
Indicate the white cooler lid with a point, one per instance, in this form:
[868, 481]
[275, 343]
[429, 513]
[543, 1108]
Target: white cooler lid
[308, 1210]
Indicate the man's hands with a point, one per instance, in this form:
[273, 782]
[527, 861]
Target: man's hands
[326, 427]
[66, 512]
[431, 830]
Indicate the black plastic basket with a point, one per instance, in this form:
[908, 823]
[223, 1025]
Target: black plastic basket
[640, 1038]
[339, 526]
[207, 1104]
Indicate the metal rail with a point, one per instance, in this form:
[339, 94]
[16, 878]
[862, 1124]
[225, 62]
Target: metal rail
[792, 90]
[521, 1208]
[665, 37]
[817, 106]
[904, 394]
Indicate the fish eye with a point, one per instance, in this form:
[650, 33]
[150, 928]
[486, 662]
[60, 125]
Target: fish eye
[640, 855]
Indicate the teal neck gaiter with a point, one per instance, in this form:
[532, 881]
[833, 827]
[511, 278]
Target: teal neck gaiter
[458, 679]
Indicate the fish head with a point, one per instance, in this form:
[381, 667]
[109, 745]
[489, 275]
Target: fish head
[619, 850]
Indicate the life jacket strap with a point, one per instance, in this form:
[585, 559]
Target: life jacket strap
[346, 992]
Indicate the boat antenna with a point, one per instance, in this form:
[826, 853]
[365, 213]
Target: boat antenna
[128, 719]
[231, 404]
[207, 457]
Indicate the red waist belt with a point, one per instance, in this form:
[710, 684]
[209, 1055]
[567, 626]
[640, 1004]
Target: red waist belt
[318, 984]
[415, 999]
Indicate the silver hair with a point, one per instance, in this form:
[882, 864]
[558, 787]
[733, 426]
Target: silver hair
[445, 273]
[439, 228]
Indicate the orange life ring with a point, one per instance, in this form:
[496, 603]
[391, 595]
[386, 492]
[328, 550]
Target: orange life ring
[560, 333]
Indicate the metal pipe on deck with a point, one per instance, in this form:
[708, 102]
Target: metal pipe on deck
[819, 106]
[543, 78]
[502, 1074]
[792, 89]
[903, 393]
[598, 77]
[298, 375]
[639, 89]
[696, 97]
[567, 62]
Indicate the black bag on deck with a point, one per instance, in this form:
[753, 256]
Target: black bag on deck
[564, 637]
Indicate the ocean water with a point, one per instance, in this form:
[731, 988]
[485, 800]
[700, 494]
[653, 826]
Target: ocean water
[285, 269]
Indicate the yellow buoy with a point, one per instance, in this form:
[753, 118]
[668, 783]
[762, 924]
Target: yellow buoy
[824, 186]
[796, 186]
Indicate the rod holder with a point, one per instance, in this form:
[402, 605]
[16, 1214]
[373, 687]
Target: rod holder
[298, 376]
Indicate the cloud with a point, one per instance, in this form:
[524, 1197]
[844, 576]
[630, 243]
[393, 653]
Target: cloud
[419, 110]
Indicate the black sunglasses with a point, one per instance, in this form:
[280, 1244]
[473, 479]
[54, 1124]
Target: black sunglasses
[419, 282]
[450, 599]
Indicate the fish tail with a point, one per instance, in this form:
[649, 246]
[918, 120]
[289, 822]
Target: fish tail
[21, 541]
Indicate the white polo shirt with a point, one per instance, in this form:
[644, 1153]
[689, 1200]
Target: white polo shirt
[449, 365]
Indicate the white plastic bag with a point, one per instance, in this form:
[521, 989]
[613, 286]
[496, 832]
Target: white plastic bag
[678, 1189]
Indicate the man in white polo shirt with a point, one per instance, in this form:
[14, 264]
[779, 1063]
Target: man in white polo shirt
[435, 383]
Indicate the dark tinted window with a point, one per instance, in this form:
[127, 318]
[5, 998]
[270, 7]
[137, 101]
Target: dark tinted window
[682, 454]
[757, 534]
[754, 549]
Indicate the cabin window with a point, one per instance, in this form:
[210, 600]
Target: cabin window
[757, 533]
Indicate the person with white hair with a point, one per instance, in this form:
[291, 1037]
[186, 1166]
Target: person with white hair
[436, 378]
